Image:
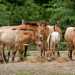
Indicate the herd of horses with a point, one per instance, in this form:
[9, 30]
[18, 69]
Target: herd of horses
[46, 37]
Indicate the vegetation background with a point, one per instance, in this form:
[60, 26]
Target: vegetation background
[13, 11]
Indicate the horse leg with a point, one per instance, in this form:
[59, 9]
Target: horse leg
[25, 51]
[53, 49]
[8, 55]
[13, 55]
[45, 49]
[3, 55]
[70, 53]
[53, 52]
[58, 53]
[41, 52]
[44, 52]
[21, 55]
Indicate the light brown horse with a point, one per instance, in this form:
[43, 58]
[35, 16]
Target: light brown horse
[70, 39]
[51, 30]
[15, 39]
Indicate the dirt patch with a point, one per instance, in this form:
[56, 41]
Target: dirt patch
[39, 66]
[62, 60]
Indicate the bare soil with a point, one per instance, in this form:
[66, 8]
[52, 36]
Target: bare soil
[37, 66]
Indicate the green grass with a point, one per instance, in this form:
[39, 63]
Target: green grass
[32, 47]
[50, 73]
[24, 73]
[59, 73]
[62, 46]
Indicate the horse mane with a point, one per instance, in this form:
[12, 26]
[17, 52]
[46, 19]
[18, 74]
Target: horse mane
[31, 23]
[45, 23]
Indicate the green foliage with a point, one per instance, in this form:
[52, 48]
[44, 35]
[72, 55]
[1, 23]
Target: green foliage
[13, 11]
[63, 46]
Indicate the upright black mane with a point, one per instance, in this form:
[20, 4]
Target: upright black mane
[33, 23]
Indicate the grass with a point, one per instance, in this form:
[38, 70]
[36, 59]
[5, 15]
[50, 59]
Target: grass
[24, 73]
[59, 73]
[50, 73]
[62, 46]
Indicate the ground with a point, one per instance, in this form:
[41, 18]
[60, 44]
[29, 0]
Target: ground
[33, 66]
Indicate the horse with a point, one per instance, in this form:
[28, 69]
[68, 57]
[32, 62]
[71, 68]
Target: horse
[15, 39]
[37, 27]
[27, 29]
[54, 42]
[39, 30]
[44, 31]
[53, 37]
[69, 37]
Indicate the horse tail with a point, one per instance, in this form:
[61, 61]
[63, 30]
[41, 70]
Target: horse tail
[48, 40]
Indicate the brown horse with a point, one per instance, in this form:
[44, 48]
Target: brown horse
[39, 31]
[44, 30]
[41, 39]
